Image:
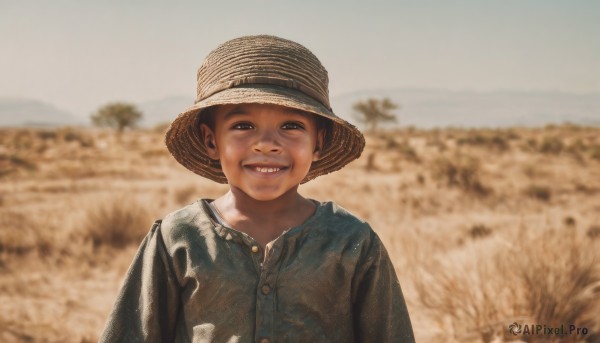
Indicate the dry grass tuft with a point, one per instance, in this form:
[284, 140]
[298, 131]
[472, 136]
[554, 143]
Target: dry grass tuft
[550, 278]
[10, 164]
[460, 300]
[21, 235]
[116, 222]
[594, 232]
[560, 279]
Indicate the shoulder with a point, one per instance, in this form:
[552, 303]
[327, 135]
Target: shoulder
[336, 212]
[182, 224]
[344, 223]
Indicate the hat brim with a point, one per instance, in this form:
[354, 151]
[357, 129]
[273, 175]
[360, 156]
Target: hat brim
[184, 140]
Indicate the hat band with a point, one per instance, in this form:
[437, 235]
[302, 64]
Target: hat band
[288, 83]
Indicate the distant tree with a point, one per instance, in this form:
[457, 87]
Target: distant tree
[117, 115]
[373, 111]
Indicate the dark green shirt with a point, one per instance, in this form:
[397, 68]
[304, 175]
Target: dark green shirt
[196, 280]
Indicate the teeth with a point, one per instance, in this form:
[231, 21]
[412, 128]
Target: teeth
[267, 170]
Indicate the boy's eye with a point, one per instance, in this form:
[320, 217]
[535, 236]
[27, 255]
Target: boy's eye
[292, 126]
[242, 126]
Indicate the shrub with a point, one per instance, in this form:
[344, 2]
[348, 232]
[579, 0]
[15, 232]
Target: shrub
[595, 152]
[23, 140]
[479, 231]
[437, 142]
[551, 145]
[47, 134]
[533, 171]
[69, 134]
[420, 179]
[118, 115]
[490, 140]
[577, 146]
[538, 192]
[370, 166]
[569, 221]
[585, 189]
[373, 111]
[529, 145]
[408, 152]
[22, 162]
[594, 232]
[463, 173]
[390, 142]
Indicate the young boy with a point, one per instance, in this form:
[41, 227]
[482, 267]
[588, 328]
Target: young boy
[261, 263]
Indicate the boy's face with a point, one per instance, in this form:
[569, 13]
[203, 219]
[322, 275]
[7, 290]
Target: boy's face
[265, 150]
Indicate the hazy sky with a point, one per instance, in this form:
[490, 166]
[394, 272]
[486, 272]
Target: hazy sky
[79, 55]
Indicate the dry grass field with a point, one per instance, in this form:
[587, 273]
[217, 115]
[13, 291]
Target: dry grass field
[485, 227]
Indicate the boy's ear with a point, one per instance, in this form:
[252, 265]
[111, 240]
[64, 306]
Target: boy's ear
[319, 145]
[208, 138]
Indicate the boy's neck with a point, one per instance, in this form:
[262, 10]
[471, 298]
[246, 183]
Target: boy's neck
[239, 201]
[264, 220]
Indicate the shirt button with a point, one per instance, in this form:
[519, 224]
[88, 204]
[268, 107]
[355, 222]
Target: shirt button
[266, 289]
[265, 340]
[254, 249]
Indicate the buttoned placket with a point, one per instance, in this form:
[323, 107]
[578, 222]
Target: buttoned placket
[266, 262]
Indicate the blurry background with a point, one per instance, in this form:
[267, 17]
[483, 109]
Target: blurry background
[485, 188]
[448, 62]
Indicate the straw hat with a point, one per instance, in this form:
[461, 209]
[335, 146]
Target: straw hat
[267, 70]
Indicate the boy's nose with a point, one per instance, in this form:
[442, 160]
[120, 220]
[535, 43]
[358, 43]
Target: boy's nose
[266, 142]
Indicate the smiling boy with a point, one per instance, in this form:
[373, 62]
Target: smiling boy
[261, 263]
[265, 152]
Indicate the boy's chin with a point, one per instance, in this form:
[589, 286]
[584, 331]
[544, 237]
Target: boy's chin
[267, 194]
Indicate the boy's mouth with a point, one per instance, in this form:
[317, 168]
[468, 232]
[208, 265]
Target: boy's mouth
[266, 169]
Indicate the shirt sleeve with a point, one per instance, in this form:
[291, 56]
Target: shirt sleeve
[380, 313]
[148, 302]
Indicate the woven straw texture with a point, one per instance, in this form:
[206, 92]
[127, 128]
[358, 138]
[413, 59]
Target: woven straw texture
[269, 70]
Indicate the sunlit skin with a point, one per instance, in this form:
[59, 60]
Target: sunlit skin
[265, 152]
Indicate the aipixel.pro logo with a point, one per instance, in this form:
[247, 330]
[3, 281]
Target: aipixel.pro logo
[539, 329]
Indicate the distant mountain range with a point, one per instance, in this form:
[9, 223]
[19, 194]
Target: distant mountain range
[423, 108]
[29, 112]
[440, 108]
